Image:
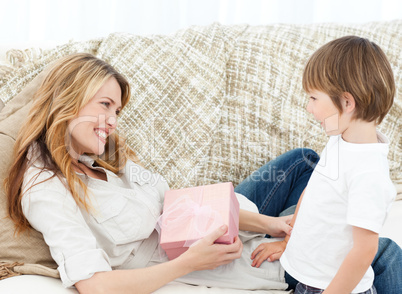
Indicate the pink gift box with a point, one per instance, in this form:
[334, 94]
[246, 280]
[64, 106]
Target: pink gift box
[192, 213]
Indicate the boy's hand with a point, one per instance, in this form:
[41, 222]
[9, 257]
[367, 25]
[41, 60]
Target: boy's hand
[268, 251]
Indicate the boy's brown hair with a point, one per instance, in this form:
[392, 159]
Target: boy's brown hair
[357, 66]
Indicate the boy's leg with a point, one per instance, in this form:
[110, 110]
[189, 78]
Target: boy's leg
[292, 282]
[304, 289]
[278, 184]
[387, 266]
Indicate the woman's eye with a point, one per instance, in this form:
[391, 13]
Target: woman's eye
[105, 104]
[117, 112]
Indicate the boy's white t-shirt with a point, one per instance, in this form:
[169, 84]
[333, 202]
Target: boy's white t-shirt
[350, 186]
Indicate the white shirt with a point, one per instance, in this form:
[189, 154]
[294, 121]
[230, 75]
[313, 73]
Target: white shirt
[124, 213]
[350, 186]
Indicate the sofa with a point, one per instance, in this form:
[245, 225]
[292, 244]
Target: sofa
[209, 104]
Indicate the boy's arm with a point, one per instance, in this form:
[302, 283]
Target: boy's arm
[292, 223]
[356, 263]
[273, 251]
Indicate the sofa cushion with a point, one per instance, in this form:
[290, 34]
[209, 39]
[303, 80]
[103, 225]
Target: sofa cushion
[28, 249]
[178, 86]
[28, 252]
[24, 66]
[264, 112]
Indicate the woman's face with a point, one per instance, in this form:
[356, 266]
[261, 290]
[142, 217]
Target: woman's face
[96, 121]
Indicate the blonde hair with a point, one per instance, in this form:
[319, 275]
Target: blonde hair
[67, 88]
[357, 66]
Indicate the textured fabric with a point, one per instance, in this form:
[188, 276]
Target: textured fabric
[264, 112]
[7, 270]
[29, 250]
[25, 66]
[210, 104]
[178, 84]
[398, 191]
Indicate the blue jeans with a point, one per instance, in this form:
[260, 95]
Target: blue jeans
[277, 186]
[303, 289]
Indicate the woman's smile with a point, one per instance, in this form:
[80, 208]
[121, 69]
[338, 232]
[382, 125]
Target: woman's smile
[102, 134]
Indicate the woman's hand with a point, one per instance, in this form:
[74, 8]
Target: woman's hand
[274, 226]
[267, 251]
[278, 227]
[204, 254]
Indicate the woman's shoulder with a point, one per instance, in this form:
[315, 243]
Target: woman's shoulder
[37, 175]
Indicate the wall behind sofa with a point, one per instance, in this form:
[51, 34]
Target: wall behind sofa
[39, 21]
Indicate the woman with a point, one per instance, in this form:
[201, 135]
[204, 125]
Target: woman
[74, 180]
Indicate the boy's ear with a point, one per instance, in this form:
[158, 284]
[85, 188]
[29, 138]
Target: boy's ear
[348, 102]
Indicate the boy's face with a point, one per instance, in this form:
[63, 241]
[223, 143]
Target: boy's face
[325, 112]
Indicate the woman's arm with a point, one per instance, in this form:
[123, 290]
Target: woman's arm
[273, 226]
[356, 263]
[260, 223]
[203, 255]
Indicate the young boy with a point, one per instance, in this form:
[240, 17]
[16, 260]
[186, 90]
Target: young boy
[340, 213]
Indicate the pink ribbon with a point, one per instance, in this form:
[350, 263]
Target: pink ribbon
[202, 219]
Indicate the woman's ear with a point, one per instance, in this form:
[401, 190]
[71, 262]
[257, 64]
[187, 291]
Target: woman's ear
[348, 102]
